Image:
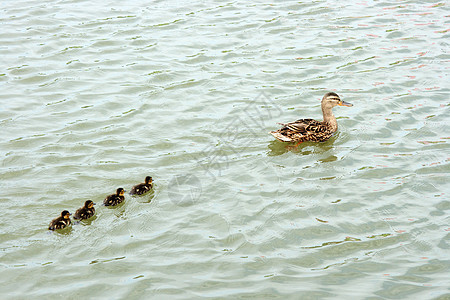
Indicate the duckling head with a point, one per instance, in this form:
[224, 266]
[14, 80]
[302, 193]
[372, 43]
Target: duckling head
[148, 179]
[89, 204]
[65, 214]
[120, 191]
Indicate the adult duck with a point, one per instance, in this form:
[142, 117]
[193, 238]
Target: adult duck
[309, 129]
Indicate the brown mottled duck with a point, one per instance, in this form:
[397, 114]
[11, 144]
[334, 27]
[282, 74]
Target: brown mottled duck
[309, 129]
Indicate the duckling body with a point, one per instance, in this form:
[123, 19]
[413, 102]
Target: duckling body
[60, 222]
[86, 211]
[115, 199]
[142, 188]
[309, 129]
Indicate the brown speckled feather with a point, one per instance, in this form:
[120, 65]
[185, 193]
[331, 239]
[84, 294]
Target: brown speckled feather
[304, 130]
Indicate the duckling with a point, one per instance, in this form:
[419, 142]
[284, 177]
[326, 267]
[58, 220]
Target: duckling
[311, 130]
[86, 211]
[116, 198]
[61, 222]
[142, 188]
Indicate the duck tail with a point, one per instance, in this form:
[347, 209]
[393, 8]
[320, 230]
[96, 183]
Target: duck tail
[280, 137]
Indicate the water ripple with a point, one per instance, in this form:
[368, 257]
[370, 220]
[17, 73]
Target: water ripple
[100, 96]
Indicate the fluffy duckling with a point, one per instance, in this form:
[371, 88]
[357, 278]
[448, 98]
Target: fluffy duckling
[61, 222]
[86, 211]
[116, 198]
[142, 188]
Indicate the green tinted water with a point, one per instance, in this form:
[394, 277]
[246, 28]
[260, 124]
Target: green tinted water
[98, 96]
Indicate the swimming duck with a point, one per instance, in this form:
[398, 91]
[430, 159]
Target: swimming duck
[142, 188]
[86, 211]
[311, 130]
[61, 222]
[116, 198]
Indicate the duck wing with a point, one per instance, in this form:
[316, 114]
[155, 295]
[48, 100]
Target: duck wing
[141, 188]
[83, 213]
[110, 200]
[298, 131]
[301, 126]
[59, 224]
[138, 189]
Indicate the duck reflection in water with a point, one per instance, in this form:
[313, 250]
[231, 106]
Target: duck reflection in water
[276, 148]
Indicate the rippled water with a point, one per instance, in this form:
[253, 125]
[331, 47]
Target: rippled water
[98, 96]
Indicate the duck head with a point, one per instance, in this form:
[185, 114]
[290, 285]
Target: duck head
[120, 191]
[332, 99]
[65, 214]
[89, 204]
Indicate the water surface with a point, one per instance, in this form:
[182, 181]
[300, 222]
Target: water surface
[98, 96]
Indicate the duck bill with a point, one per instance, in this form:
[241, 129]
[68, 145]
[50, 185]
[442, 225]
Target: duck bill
[343, 103]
